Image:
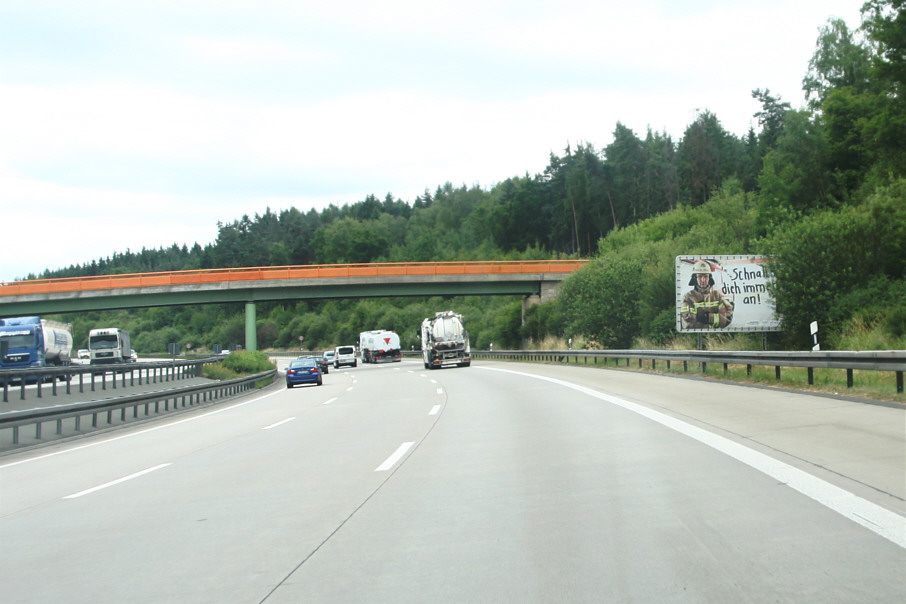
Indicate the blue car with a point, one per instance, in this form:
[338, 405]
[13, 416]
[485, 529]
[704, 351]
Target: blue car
[303, 371]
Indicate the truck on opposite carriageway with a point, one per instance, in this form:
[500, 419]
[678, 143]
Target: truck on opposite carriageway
[109, 345]
[29, 342]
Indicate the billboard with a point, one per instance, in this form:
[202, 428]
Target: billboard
[724, 294]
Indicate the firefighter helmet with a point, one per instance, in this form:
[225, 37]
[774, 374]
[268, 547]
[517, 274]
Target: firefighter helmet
[701, 267]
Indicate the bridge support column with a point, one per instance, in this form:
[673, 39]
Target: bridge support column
[528, 302]
[251, 331]
[548, 292]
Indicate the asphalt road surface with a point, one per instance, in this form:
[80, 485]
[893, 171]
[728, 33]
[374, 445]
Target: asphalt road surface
[502, 482]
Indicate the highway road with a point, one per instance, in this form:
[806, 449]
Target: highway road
[502, 482]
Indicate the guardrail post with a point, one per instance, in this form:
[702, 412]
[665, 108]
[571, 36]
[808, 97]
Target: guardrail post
[849, 378]
[811, 376]
[38, 382]
[704, 367]
[777, 371]
[5, 390]
[899, 382]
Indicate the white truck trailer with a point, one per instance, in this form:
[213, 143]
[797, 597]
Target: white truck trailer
[379, 345]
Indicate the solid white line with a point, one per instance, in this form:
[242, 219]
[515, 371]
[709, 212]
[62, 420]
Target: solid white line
[113, 482]
[278, 423]
[880, 520]
[328, 401]
[434, 410]
[394, 458]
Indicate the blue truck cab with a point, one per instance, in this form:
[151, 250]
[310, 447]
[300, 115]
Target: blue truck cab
[28, 342]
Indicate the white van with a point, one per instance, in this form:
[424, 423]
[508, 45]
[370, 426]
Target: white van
[344, 355]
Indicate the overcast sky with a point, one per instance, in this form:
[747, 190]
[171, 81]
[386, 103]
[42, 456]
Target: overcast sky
[131, 124]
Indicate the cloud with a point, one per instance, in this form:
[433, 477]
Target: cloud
[162, 118]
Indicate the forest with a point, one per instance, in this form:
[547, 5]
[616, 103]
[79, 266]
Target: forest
[821, 189]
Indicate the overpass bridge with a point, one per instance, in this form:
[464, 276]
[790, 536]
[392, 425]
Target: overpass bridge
[537, 281]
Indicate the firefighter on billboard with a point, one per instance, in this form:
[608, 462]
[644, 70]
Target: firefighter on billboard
[704, 306]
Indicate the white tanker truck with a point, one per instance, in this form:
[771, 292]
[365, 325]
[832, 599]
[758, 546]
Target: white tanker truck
[34, 342]
[445, 341]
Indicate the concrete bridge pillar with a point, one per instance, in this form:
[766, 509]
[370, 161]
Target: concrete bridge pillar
[549, 290]
[251, 330]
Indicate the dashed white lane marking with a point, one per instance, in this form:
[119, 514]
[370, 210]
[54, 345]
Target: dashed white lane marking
[434, 410]
[117, 481]
[389, 463]
[328, 401]
[278, 423]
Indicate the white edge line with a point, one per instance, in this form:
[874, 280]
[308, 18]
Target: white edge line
[394, 458]
[140, 432]
[877, 519]
[117, 481]
[289, 419]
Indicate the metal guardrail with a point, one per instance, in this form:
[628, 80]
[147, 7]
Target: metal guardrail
[869, 360]
[97, 375]
[181, 398]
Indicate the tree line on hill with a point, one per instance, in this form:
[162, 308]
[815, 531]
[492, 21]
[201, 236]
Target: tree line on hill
[820, 188]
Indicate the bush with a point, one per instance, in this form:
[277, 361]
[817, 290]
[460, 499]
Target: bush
[245, 362]
[835, 265]
[216, 371]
